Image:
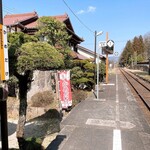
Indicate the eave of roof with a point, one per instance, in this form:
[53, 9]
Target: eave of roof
[81, 39]
[65, 19]
[15, 18]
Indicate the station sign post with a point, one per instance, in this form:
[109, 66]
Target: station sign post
[108, 49]
[4, 75]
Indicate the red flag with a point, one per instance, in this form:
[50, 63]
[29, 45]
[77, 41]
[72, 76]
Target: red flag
[65, 88]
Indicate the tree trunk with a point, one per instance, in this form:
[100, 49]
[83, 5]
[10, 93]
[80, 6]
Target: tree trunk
[21, 123]
[23, 88]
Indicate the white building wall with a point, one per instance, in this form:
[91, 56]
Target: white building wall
[81, 52]
[85, 54]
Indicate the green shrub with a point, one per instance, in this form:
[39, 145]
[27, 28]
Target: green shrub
[33, 143]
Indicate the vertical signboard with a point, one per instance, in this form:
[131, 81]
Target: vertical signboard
[4, 69]
[65, 89]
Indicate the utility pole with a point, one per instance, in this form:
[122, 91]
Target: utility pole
[3, 92]
[149, 67]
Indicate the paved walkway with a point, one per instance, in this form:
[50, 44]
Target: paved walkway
[114, 122]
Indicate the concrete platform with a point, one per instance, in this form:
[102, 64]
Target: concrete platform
[116, 123]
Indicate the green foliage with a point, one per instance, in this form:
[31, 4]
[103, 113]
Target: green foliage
[127, 54]
[102, 68]
[53, 31]
[39, 55]
[67, 56]
[12, 85]
[133, 52]
[89, 74]
[89, 67]
[82, 74]
[33, 143]
[80, 63]
[15, 40]
[76, 72]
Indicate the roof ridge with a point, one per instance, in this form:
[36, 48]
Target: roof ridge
[22, 14]
[62, 15]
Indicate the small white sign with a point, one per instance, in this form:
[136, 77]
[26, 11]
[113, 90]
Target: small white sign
[102, 44]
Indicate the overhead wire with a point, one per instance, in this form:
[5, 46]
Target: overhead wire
[9, 10]
[78, 17]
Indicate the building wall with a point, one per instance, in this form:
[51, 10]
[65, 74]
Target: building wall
[85, 54]
[88, 55]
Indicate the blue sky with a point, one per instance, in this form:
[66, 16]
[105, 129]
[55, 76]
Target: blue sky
[122, 19]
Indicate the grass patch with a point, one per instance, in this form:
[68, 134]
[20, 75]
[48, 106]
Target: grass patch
[143, 75]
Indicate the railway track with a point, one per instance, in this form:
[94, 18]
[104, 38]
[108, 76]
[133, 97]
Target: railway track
[141, 87]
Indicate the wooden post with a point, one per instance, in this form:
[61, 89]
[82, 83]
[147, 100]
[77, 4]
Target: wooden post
[107, 60]
[149, 67]
[107, 68]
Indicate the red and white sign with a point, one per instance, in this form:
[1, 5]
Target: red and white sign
[65, 88]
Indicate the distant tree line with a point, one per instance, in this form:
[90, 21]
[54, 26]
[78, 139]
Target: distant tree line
[136, 50]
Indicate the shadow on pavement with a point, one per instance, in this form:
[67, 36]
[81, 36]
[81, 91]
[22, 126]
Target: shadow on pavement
[43, 125]
[11, 129]
[54, 145]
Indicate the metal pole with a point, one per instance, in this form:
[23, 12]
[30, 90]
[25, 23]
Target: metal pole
[107, 68]
[97, 87]
[95, 39]
[3, 103]
[97, 75]
[1, 13]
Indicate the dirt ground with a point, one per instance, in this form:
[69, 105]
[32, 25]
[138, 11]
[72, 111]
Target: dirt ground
[42, 122]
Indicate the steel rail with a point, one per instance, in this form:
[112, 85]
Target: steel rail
[125, 73]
